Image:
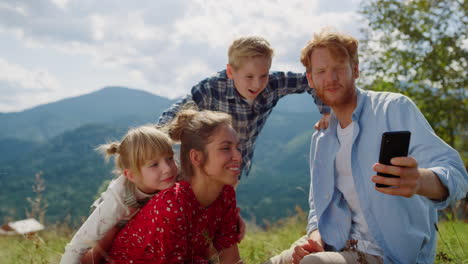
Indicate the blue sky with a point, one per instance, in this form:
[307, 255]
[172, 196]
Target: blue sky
[53, 49]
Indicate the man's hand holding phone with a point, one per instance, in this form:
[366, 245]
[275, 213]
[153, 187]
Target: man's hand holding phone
[406, 168]
[413, 180]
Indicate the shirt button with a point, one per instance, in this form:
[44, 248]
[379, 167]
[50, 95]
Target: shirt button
[327, 196]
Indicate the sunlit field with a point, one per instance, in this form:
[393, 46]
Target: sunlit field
[258, 245]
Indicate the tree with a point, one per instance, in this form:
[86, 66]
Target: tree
[420, 48]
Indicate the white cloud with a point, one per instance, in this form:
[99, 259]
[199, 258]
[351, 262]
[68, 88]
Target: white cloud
[167, 46]
[22, 88]
[60, 3]
[15, 9]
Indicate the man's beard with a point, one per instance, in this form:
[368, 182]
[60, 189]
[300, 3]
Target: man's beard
[345, 98]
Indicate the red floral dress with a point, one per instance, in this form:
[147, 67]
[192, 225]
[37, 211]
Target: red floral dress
[174, 228]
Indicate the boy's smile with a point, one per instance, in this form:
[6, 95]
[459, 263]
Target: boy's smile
[252, 76]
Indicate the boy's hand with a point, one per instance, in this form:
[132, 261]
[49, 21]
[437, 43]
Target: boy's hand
[323, 122]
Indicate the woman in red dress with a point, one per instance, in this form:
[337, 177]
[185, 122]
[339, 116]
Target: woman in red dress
[180, 224]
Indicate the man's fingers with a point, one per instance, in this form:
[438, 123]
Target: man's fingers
[399, 186]
[314, 246]
[296, 259]
[405, 192]
[408, 162]
[317, 125]
[396, 182]
[323, 122]
[404, 172]
[303, 250]
[389, 169]
[299, 254]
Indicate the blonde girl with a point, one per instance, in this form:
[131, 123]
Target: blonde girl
[145, 165]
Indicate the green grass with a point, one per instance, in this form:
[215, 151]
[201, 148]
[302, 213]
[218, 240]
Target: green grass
[261, 244]
[44, 247]
[452, 246]
[257, 246]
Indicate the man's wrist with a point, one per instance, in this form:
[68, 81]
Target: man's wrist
[431, 186]
[312, 233]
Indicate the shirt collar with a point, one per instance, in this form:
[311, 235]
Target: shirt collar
[139, 195]
[231, 91]
[356, 113]
[359, 105]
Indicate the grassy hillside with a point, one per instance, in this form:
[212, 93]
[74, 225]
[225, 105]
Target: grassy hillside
[258, 245]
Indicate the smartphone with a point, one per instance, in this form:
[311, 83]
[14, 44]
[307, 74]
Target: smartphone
[393, 144]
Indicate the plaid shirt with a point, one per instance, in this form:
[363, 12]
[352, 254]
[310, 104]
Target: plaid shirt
[218, 93]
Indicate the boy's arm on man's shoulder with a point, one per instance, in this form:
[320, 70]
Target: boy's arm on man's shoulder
[289, 82]
[323, 108]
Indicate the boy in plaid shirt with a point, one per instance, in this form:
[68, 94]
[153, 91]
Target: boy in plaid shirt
[248, 91]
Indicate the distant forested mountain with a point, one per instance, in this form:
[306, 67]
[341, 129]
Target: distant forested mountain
[117, 106]
[12, 148]
[73, 171]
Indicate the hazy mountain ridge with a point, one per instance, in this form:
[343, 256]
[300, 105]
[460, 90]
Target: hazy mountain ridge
[73, 171]
[14, 148]
[118, 106]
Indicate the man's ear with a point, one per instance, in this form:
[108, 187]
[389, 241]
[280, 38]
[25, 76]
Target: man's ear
[229, 71]
[196, 157]
[309, 80]
[356, 70]
[129, 175]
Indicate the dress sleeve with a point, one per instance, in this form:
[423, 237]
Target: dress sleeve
[227, 232]
[106, 215]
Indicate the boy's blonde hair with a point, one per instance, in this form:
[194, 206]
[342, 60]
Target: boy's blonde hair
[339, 44]
[137, 147]
[247, 47]
[194, 130]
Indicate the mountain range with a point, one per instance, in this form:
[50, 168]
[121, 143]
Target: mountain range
[58, 139]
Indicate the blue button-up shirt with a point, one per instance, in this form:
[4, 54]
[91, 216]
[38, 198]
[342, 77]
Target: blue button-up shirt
[219, 94]
[404, 228]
